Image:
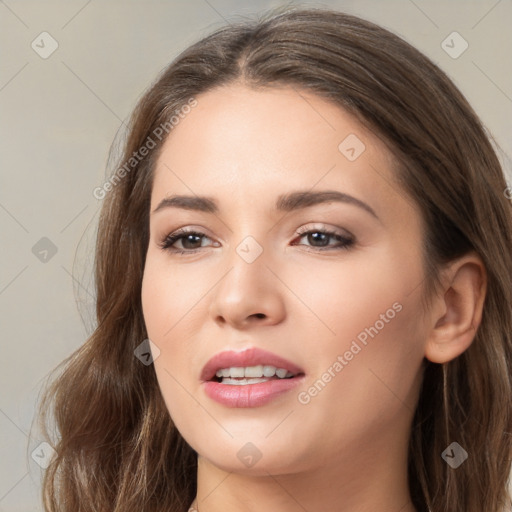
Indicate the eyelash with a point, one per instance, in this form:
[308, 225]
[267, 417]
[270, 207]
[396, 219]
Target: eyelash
[169, 240]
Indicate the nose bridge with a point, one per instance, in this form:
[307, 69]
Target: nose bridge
[248, 269]
[249, 289]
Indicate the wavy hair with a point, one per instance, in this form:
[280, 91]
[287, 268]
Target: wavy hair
[117, 448]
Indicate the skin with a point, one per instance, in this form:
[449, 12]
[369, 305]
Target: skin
[346, 449]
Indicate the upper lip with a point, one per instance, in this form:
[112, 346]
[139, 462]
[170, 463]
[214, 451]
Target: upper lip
[249, 357]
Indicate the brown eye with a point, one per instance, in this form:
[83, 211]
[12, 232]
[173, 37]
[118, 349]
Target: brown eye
[320, 239]
[190, 241]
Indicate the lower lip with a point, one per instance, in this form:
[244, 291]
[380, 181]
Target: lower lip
[249, 395]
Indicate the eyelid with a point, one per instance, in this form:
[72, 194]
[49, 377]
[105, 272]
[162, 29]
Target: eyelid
[324, 227]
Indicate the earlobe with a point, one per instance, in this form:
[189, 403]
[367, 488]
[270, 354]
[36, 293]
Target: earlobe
[460, 304]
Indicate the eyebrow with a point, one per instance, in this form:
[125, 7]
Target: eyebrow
[286, 202]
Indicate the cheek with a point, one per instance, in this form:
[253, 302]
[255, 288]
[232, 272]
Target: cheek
[367, 322]
[169, 299]
[172, 309]
[366, 382]
[344, 297]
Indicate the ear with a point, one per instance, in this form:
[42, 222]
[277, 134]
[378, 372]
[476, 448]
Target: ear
[457, 310]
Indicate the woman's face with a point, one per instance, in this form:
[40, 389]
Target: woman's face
[260, 281]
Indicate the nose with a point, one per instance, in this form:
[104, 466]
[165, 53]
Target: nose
[249, 294]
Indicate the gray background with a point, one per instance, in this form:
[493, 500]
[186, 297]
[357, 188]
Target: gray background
[59, 116]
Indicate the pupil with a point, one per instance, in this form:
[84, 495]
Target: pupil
[188, 238]
[314, 237]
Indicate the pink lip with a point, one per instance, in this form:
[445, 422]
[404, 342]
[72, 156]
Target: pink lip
[249, 357]
[250, 395]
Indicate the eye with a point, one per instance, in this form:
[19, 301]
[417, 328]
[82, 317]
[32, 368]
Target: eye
[189, 240]
[319, 239]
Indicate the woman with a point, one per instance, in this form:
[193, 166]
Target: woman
[303, 288]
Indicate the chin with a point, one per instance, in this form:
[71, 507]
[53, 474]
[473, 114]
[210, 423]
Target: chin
[258, 458]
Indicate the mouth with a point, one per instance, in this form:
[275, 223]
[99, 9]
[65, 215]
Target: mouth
[250, 378]
[236, 368]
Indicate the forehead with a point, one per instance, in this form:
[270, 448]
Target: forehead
[247, 145]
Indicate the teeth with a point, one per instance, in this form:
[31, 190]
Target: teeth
[242, 382]
[237, 371]
[253, 372]
[269, 371]
[281, 373]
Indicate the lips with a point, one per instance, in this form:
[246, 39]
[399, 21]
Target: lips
[249, 391]
[247, 358]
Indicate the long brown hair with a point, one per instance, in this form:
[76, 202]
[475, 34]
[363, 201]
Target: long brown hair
[116, 446]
